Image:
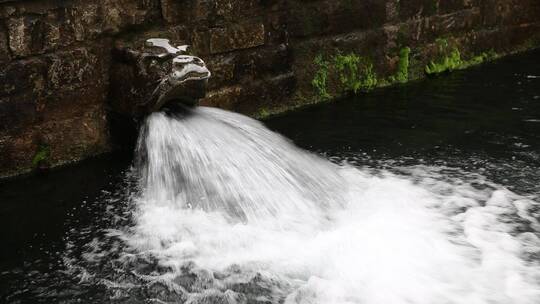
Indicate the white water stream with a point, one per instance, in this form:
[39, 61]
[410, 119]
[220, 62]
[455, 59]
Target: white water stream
[220, 189]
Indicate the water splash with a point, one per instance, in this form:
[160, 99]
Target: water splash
[220, 191]
[213, 160]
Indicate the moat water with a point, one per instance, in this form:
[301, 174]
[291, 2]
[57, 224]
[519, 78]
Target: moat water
[423, 193]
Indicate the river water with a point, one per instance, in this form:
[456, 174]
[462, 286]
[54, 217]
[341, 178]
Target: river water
[424, 193]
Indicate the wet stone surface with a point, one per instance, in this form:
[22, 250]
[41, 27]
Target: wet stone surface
[75, 40]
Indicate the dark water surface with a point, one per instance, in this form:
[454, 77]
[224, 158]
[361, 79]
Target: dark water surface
[485, 120]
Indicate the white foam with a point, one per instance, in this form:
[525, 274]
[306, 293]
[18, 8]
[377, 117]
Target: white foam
[222, 190]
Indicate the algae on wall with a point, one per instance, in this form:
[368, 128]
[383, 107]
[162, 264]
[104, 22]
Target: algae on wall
[41, 158]
[346, 73]
[402, 73]
[450, 59]
[352, 74]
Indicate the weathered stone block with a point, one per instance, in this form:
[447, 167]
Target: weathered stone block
[68, 140]
[15, 113]
[236, 37]
[308, 20]
[456, 23]
[248, 65]
[358, 14]
[4, 50]
[498, 13]
[224, 97]
[335, 17]
[52, 37]
[120, 14]
[200, 41]
[80, 22]
[414, 9]
[516, 12]
[276, 28]
[264, 62]
[76, 79]
[186, 12]
[214, 13]
[252, 96]
[16, 153]
[450, 6]
[230, 11]
[392, 10]
[222, 67]
[23, 76]
[77, 137]
[73, 69]
[26, 35]
[65, 104]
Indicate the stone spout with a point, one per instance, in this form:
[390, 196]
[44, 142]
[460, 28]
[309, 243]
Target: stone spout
[148, 79]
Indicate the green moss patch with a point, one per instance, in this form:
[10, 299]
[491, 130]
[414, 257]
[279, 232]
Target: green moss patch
[346, 73]
[402, 73]
[320, 80]
[451, 59]
[42, 156]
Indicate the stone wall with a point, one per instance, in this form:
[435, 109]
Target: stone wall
[56, 55]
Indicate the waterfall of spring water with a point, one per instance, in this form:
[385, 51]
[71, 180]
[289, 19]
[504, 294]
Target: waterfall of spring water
[215, 160]
[220, 190]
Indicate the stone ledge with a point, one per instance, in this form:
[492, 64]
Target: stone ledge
[250, 97]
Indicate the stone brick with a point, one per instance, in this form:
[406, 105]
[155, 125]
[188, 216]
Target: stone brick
[360, 14]
[498, 13]
[518, 12]
[308, 20]
[16, 152]
[248, 65]
[118, 15]
[186, 11]
[200, 40]
[4, 49]
[22, 76]
[22, 86]
[222, 67]
[80, 22]
[335, 17]
[52, 38]
[26, 35]
[212, 13]
[271, 60]
[69, 140]
[236, 37]
[77, 137]
[224, 97]
[249, 97]
[461, 22]
[392, 10]
[410, 9]
[16, 113]
[72, 69]
[75, 80]
[450, 6]
[229, 11]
